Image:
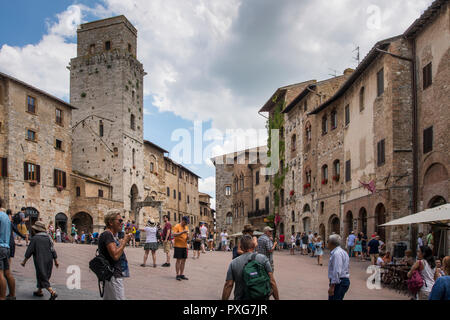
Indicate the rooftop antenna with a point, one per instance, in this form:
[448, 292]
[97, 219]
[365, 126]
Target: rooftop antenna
[357, 58]
[334, 74]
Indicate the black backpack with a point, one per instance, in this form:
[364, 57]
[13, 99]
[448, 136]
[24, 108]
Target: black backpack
[16, 218]
[102, 269]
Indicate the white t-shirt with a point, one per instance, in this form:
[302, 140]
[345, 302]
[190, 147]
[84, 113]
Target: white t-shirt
[203, 231]
[380, 261]
[293, 239]
[224, 236]
[150, 234]
[58, 232]
[310, 238]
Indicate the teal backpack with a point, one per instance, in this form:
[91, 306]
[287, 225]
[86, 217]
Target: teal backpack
[257, 281]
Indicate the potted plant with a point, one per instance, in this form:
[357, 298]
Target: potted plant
[33, 183]
[324, 181]
[291, 193]
[59, 188]
[336, 178]
[306, 185]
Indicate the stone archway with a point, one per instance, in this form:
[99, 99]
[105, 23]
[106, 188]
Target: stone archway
[436, 202]
[363, 220]
[380, 218]
[439, 245]
[334, 224]
[83, 222]
[61, 222]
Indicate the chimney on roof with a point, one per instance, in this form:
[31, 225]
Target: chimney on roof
[348, 71]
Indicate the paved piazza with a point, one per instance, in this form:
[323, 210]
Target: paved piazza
[298, 277]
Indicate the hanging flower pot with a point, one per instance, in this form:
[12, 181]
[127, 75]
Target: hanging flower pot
[291, 193]
[336, 178]
[324, 181]
[306, 185]
[59, 188]
[33, 183]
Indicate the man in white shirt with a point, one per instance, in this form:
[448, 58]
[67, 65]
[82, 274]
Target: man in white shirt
[338, 269]
[224, 237]
[203, 233]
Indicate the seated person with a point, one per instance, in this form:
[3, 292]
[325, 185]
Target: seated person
[409, 259]
[387, 258]
[380, 261]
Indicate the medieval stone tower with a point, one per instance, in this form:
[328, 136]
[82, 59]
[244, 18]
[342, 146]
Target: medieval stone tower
[106, 85]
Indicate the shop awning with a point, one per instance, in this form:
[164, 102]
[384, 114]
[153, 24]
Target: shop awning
[436, 216]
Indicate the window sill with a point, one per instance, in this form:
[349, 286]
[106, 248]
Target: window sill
[61, 150]
[35, 141]
[32, 113]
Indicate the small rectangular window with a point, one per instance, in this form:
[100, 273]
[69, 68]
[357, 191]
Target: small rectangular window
[348, 173]
[58, 145]
[31, 104]
[347, 114]
[228, 191]
[151, 167]
[257, 177]
[78, 192]
[428, 140]
[108, 45]
[324, 125]
[31, 135]
[129, 48]
[257, 204]
[100, 128]
[92, 49]
[168, 191]
[174, 194]
[427, 76]
[31, 172]
[380, 82]
[100, 193]
[179, 195]
[59, 178]
[187, 199]
[59, 118]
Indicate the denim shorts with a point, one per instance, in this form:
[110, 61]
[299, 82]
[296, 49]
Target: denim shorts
[4, 258]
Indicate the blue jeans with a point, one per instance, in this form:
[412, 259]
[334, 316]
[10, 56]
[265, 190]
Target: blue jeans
[340, 289]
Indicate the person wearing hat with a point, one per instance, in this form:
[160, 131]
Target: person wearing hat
[265, 244]
[181, 233]
[44, 254]
[151, 242]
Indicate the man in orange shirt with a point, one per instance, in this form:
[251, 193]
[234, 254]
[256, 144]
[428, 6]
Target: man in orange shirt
[180, 233]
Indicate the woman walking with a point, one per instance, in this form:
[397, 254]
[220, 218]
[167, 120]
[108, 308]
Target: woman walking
[426, 266]
[248, 230]
[358, 247]
[197, 242]
[292, 244]
[44, 254]
[318, 244]
[151, 242]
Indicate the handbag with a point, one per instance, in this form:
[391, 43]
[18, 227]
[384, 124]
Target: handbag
[415, 283]
[102, 269]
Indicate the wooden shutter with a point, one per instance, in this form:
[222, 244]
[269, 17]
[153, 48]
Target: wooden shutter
[64, 179]
[25, 171]
[55, 177]
[38, 173]
[347, 171]
[4, 167]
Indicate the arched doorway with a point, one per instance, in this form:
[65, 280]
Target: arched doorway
[322, 232]
[380, 218]
[33, 214]
[61, 222]
[83, 222]
[363, 220]
[436, 202]
[335, 225]
[307, 224]
[134, 196]
[349, 222]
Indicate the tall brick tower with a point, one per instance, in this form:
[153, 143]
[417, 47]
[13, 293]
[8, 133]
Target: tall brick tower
[106, 84]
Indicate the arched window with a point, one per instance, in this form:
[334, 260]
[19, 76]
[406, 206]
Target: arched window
[324, 174]
[293, 216]
[308, 176]
[336, 170]
[306, 208]
[242, 182]
[361, 99]
[324, 124]
[229, 218]
[236, 185]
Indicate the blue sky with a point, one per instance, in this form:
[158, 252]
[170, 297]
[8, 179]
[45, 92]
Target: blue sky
[211, 60]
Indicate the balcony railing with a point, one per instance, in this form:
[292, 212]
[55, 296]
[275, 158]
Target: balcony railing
[258, 213]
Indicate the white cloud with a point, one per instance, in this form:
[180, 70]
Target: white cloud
[220, 60]
[208, 185]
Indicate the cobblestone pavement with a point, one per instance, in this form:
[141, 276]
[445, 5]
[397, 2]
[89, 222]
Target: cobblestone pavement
[298, 277]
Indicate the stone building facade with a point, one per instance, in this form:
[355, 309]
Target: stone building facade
[35, 150]
[206, 213]
[242, 191]
[76, 161]
[430, 37]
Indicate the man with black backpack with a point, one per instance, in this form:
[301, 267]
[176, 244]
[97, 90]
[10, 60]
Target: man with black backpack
[252, 275]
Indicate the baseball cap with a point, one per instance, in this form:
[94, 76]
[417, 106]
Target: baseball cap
[186, 218]
[267, 229]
